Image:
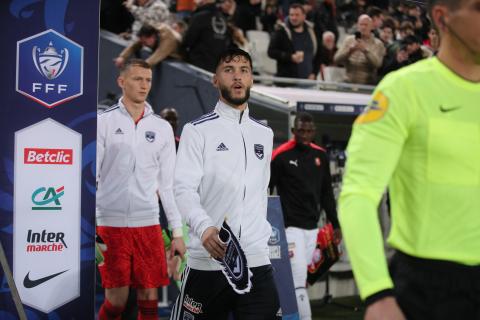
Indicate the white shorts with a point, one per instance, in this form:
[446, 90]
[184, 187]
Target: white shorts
[301, 245]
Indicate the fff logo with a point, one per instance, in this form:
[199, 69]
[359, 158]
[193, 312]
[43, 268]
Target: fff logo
[47, 198]
[49, 68]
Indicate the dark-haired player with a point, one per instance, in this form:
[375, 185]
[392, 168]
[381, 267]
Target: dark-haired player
[222, 173]
[301, 173]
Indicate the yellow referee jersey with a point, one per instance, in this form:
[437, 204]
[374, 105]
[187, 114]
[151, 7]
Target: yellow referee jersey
[420, 136]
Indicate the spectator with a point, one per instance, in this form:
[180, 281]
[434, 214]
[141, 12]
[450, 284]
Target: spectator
[135, 163]
[324, 17]
[382, 4]
[328, 48]
[415, 50]
[147, 12]
[301, 173]
[400, 11]
[420, 22]
[408, 52]
[164, 41]
[269, 18]
[246, 14]
[352, 10]
[185, 8]
[377, 19]
[406, 29]
[171, 116]
[387, 33]
[207, 36]
[294, 46]
[433, 41]
[361, 54]
[114, 17]
[395, 60]
[228, 7]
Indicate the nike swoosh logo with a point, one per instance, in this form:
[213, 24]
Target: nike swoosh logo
[443, 109]
[28, 283]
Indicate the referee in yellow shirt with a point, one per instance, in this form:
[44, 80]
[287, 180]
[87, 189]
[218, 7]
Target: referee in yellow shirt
[420, 136]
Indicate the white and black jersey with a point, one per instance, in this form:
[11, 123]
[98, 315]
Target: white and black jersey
[134, 163]
[222, 172]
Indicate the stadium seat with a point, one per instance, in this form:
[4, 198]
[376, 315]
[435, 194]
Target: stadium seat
[334, 74]
[262, 63]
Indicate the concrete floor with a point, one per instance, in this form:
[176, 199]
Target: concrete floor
[344, 308]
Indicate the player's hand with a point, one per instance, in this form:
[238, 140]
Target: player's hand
[178, 245]
[337, 236]
[384, 309]
[212, 243]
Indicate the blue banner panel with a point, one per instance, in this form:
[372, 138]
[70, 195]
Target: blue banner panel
[279, 256]
[47, 156]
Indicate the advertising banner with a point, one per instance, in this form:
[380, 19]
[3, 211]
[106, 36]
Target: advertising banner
[46, 229]
[47, 159]
[280, 260]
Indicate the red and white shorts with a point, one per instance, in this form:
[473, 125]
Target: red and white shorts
[134, 257]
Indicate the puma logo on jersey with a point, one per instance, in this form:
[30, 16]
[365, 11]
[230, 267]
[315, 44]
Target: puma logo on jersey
[294, 162]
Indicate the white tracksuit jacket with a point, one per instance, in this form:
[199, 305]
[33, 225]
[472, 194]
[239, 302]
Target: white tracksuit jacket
[222, 171]
[134, 162]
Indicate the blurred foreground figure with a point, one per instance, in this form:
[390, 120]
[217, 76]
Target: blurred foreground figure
[420, 137]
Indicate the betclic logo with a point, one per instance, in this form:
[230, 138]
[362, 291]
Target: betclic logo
[47, 156]
[49, 68]
[47, 199]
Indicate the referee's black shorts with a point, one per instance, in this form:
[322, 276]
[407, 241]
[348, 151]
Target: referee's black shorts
[207, 295]
[435, 289]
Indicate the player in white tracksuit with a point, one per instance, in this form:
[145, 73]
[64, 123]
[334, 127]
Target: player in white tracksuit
[222, 172]
[135, 163]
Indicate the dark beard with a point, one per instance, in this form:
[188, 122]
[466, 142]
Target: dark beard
[234, 101]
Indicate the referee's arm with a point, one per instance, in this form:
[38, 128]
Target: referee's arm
[373, 151]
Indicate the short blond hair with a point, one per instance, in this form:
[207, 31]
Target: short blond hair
[134, 63]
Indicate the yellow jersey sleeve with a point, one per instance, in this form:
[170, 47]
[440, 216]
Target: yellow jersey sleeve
[374, 149]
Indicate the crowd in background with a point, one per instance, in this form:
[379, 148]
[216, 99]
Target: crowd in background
[368, 38]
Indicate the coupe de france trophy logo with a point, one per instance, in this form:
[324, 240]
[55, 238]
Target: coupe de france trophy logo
[50, 63]
[49, 68]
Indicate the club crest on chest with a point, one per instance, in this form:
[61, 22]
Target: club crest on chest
[258, 149]
[150, 136]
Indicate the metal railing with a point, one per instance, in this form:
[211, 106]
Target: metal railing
[315, 84]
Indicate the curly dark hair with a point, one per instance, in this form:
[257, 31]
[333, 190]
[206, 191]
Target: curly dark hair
[231, 53]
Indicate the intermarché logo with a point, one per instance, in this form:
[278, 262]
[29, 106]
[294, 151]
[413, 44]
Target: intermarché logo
[43, 196]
